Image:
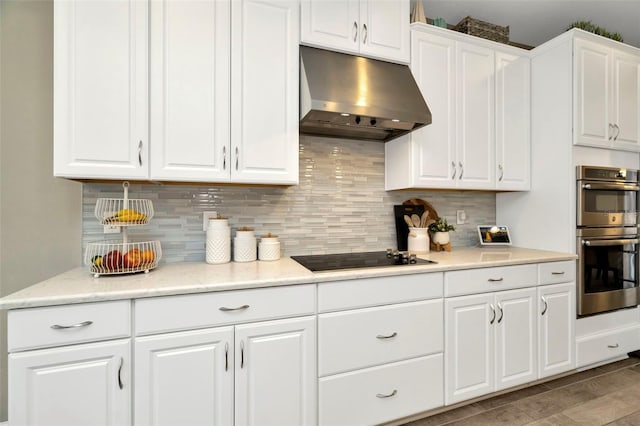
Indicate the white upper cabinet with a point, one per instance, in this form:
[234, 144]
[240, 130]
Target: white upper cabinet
[478, 94]
[100, 89]
[607, 96]
[513, 106]
[265, 91]
[190, 91]
[223, 101]
[375, 28]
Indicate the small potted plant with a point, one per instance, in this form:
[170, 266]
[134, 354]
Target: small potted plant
[440, 230]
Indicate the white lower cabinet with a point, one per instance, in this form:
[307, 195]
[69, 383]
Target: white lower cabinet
[490, 343]
[556, 336]
[78, 385]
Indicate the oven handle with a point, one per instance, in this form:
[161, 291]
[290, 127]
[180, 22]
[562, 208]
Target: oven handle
[611, 186]
[594, 243]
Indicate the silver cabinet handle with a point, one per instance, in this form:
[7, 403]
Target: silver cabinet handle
[494, 314]
[237, 156]
[78, 325]
[239, 308]
[615, 138]
[389, 395]
[613, 346]
[120, 384]
[501, 313]
[364, 34]
[140, 153]
[558, 273]
[461, 170]
[453, 166]
[226, 356]
[224, 158]
[389, 336]
[501, 172]
[355, 31]
[495, 280]
[544, 311]
[242, 354]
[610, 131]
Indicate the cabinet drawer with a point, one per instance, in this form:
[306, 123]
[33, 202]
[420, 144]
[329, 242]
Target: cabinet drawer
[603, 346]
[64, 325]
[381, 394]
[556, 272]
[173, 313]
[484, 280]
[365, 337]
[360, 293]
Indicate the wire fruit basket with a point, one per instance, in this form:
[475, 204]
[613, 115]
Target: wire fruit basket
[122, 256]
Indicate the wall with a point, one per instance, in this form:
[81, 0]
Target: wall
[40, 216]
[340, 205]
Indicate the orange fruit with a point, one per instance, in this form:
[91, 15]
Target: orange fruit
[147, 256]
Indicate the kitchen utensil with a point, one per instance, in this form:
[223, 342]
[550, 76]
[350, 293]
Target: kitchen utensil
[402, 226]
[416, 220]
[407, 219]
[424, 219]
[425, 205]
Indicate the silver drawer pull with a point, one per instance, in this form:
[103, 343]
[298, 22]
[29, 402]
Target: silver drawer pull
[557, 273]
[380, 336]
[380, 395]
[495, 280]
[239, 308]
[613, 346]
[65, 327]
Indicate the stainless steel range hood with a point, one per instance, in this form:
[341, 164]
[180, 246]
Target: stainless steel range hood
[357, 98]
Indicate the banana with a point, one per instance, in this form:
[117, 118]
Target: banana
[127, 215]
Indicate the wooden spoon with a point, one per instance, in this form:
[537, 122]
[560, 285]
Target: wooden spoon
[424, 218]
[408, 220]
[416, 220]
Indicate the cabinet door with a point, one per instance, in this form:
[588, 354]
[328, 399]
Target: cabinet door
[516, 338]
[264, 91]
[556, 335]
[475, 117]
[100, 89]
[592, 74]
[185, 378]
[513, 151]
[190, 95]
[469, 343]
[276, 375]
[76, 385]
[625, 114]
[332, 24]
[433, 146]
[384, 29]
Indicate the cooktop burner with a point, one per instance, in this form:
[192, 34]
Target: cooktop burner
[372, 259]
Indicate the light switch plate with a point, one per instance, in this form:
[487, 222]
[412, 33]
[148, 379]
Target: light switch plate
[205, 218]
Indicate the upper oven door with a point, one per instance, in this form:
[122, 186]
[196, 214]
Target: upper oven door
[607, 203]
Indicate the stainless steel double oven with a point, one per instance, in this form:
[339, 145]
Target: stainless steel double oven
[607, 239]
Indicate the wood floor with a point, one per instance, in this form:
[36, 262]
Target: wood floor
[606, 395]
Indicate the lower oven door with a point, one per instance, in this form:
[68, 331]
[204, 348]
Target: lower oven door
[607, 270]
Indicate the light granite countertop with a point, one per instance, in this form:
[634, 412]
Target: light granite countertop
[80, 286]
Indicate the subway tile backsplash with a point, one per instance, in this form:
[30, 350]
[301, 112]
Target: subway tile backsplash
[340, 205]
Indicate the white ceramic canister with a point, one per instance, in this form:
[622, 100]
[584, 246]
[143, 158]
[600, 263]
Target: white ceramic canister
[418, 240]
[269, 247]
[244, 246]
[218, 241]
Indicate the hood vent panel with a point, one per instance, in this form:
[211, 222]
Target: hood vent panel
[358, 98]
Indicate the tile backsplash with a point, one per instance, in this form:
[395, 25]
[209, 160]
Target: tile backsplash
[340, 205]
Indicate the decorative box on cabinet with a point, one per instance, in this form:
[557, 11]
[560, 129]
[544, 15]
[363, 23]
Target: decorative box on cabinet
[607, 97]
[222, 363]
[375, 28]
[478, 92]
[70, 365]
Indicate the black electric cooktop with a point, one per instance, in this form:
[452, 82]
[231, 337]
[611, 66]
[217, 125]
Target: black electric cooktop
[371, 259]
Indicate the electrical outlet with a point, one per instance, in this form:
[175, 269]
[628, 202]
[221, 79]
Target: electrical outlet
[111, 229]
[461, 216]
[205, 219]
